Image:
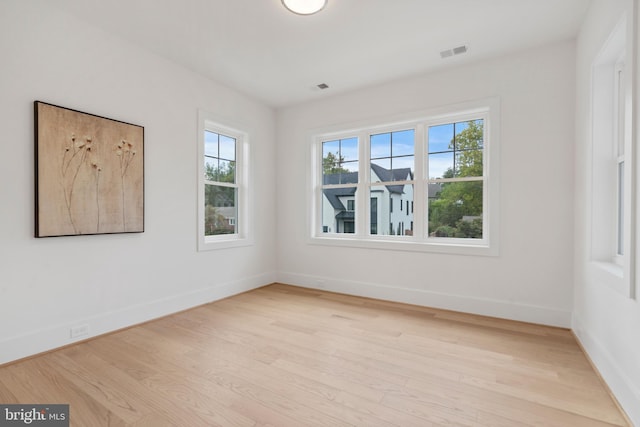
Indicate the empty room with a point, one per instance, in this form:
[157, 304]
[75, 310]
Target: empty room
[319, 213]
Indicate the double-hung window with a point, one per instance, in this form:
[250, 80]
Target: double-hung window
[222, 178]
[391, 165]
[456, 184]
[339, 184]
[426, 183]
[619, 155]
[612, 196]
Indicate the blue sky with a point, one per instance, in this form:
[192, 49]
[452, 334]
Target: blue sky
[221, 146]
[396, 149]
[219, 150]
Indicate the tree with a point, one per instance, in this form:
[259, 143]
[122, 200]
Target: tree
[215, 223]
[468, 147]
[218, 196]
[221, 173]
[461, 199]
[332, 164]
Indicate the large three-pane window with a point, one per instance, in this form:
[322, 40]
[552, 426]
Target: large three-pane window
[423, 182]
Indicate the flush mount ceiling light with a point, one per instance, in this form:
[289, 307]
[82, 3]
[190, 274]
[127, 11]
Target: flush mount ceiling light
[304, 7]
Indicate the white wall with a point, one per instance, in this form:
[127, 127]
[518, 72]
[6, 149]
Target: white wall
[108, 282]
[532, 277]
[112, 281]
[606, 321]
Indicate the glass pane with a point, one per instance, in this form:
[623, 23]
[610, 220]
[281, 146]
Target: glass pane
[469, 135]
[340, 161]
[402, 168]
[374, 202]
[381, 145]
[391, 210]
[210, 168]
[381, 170]
[455, 210]
[220, 210]
[226, 171]
[441, 165]
[336, 216]
[332, 147]
[402, 143]
[210, 144]
[349, 149]
[621, 208]
[346, 173]
[227, 148]
[440, 138]
[460, 127]
[349, 167]
[469, 162]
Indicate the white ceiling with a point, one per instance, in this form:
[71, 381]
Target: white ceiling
[261, 49]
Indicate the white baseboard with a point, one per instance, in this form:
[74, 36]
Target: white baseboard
[474, 305]
[627, 394]
[52, 337]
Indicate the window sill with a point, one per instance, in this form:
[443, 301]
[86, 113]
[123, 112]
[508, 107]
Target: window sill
[211, 243]
[612, 275]
[458, 247]
[612, 268]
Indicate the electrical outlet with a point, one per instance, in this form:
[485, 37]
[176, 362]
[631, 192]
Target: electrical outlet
[79, 331]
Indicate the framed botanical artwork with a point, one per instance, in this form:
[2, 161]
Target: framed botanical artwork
[89, 173]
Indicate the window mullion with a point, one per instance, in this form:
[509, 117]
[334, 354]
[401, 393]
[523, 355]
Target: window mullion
[420, 183]
[363, 214]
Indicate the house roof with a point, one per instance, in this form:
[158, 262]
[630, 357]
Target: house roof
[387, 175]
[340, 178]
[333, 196]
[346, 215]
[434, 189]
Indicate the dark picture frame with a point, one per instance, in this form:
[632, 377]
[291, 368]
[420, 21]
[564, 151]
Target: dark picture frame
[89, 173]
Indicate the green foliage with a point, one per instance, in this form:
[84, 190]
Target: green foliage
[462, 199]
[332, 164]
[214, 223]
[468, 146]
[469, 229]
[223, 173]
[218, 196]
[445, 231]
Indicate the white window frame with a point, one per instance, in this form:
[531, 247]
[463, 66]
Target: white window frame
[619, 156]
[243, 235]
[487, 109]
[611, 138]
[465, 117]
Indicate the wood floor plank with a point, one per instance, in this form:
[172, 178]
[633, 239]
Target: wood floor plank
[286, 356]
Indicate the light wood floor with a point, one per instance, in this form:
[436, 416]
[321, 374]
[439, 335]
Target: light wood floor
[286, 356]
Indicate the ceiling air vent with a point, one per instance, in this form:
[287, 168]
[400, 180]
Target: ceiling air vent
[451, 52]
[323, 86]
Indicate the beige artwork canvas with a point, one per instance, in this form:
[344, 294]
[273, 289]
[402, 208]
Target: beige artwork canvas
[89, 173]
